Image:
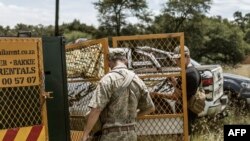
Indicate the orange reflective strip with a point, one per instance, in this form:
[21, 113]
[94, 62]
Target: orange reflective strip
[34, 133]
[42, 136]
[2, 133]
[23, 133]
[10, 134]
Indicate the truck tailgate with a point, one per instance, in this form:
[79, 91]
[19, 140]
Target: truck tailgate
[216, 88]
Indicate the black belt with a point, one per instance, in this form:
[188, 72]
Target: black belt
[118, 129]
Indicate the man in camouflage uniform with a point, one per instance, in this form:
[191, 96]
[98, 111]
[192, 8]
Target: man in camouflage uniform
[118, 105]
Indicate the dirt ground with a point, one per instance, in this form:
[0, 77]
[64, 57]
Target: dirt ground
[247, 60]
[243, 69]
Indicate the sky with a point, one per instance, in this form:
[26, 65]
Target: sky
[34, 12]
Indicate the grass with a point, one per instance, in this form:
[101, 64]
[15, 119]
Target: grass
[211, 129]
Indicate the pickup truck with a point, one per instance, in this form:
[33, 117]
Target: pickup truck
[212, 82]
[147, 61]
[237, 88]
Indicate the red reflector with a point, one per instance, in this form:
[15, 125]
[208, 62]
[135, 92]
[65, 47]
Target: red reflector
[207, 82]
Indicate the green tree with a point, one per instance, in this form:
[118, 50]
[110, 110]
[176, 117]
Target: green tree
[21, 27]
[247, 16]
[243, 21]
[223, 43]
[8, 31]
[49, 30]
[185, 10]
[247, 40]
[76, 25]
[73, 35]
[131, 29]
[247, 36]
[163, 24]
[113, 14]
[211, 40]
[240, 20]
[1, 30]
[183, 16]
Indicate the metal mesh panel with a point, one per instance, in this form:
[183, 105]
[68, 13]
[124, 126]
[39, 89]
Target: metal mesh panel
[20, 107]
[22, 83]
[162, 85]
[85, 67]
[79, 96]
[151, 57]
[160, 129]
[85, 61]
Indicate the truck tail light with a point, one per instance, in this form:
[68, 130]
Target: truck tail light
[207, 81]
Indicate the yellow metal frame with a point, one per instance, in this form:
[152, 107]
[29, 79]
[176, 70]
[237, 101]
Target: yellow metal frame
[143, 37]
[115, 40]
[23, 133]
[76, 134]
[38, 43]
[179, 36]
[103, 42]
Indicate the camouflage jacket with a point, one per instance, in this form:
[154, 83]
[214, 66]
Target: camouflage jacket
[121, 110]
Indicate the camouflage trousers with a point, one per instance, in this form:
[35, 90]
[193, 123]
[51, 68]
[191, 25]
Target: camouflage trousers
[119, 136]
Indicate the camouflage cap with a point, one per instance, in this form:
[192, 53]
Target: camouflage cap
[116, 53]
[177, 52]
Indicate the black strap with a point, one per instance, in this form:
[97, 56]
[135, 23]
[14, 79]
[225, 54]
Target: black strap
[199, 76]
[200, 87]
[126, 82]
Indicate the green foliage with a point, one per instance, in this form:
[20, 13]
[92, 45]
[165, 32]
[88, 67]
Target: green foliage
[243, 22]
[163, 23]
[73, 35]
[38, 30]
[183, 16]
[222, 43]
[7, 31]
[130, 30]
[135, 29]
[76, 25]
[185, 10]
[247, 40]
[240, 20]
[247, 36]
[211, 40]
[113, 14]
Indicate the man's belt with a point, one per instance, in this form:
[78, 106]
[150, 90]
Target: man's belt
[118, 129]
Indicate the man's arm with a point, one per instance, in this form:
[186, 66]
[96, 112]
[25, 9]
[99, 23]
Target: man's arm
[145, 112]
[174, 96]
[145, 105]
[92, 119]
